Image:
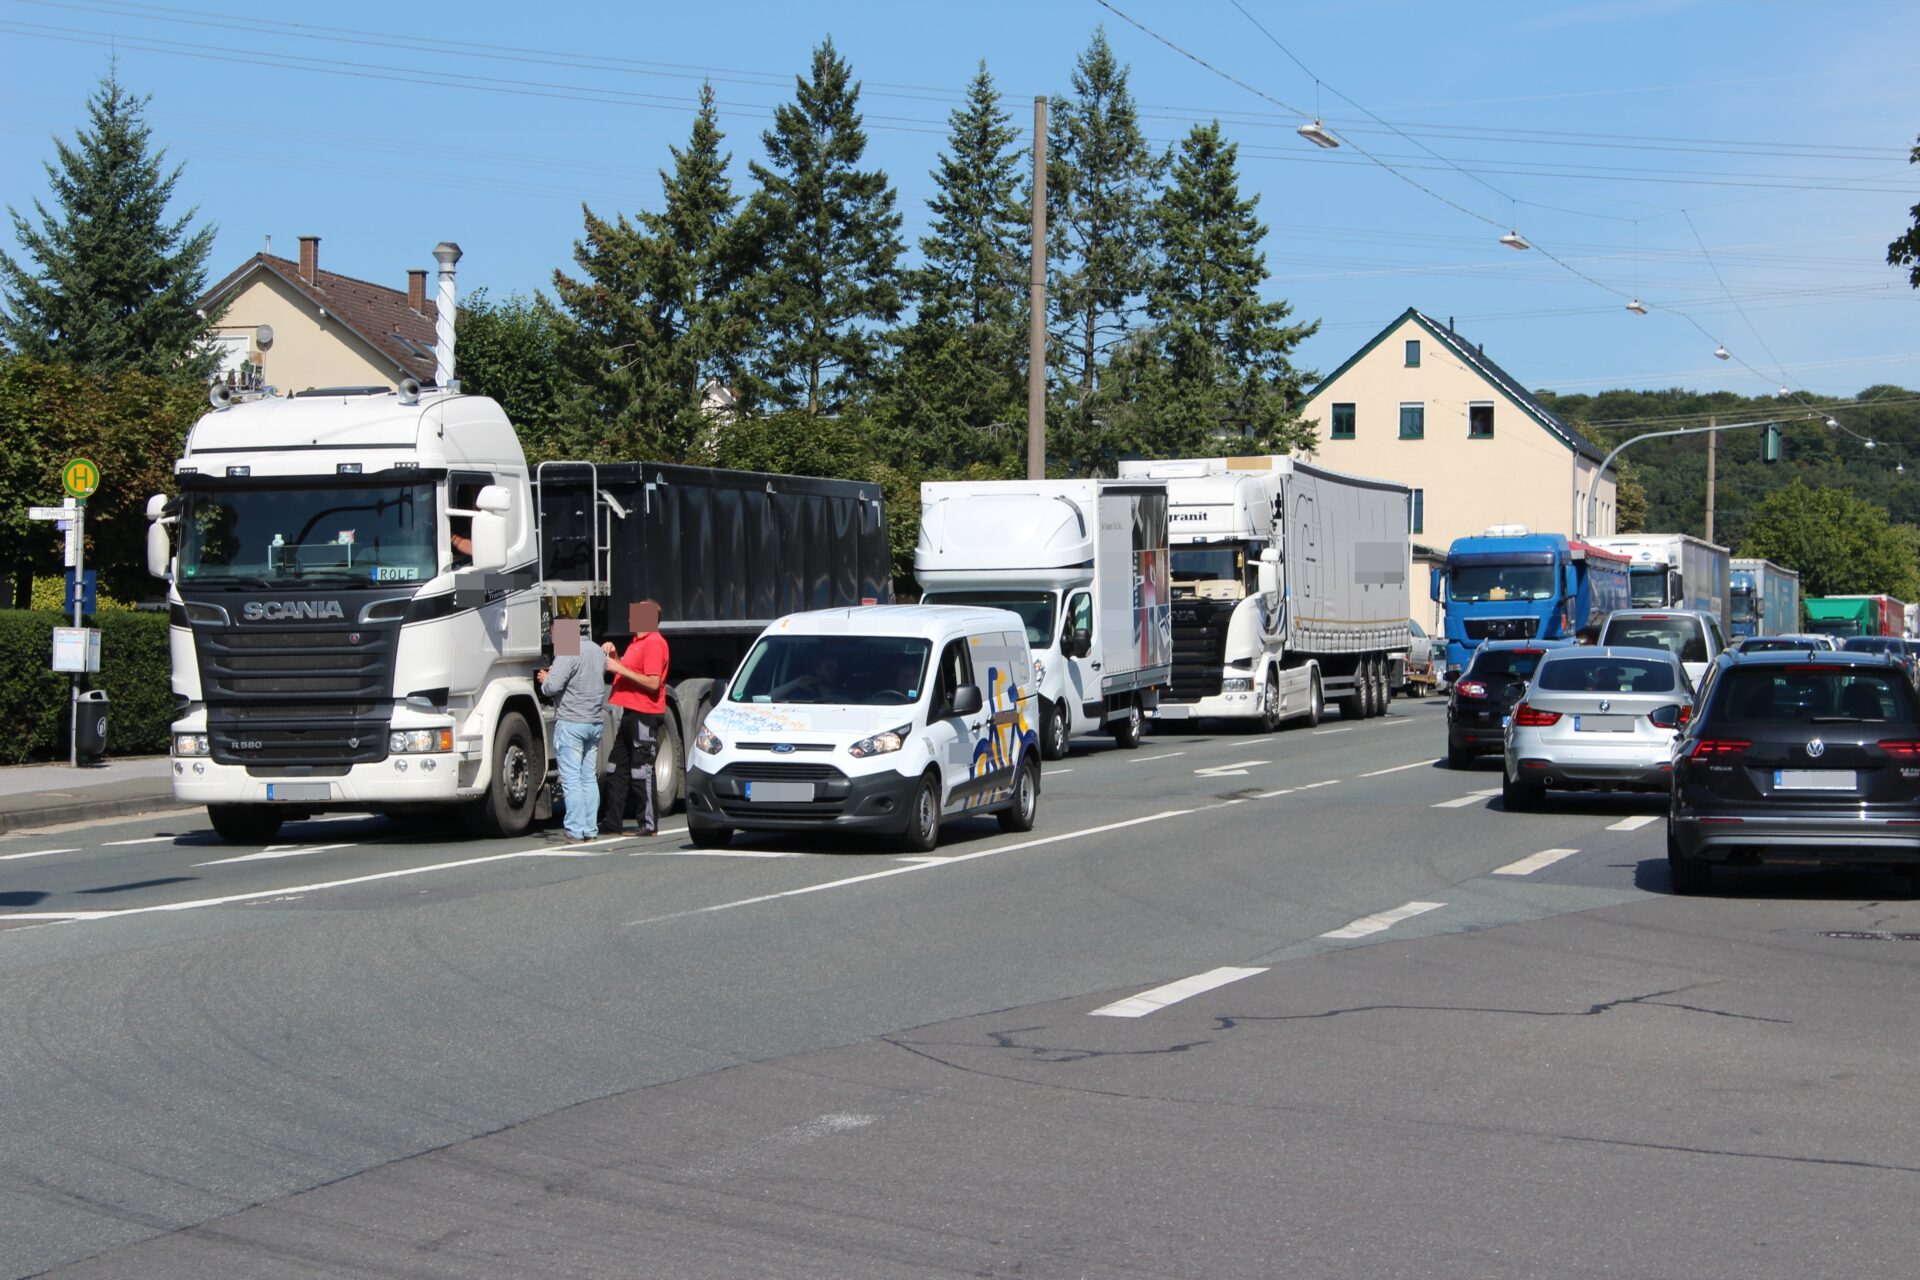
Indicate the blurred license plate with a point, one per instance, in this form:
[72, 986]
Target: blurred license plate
[780, 792]
[1172, 711]
[1813, 779]
[1603, 724]
[299, 791]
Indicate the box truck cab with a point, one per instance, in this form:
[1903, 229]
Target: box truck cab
[887, 718]
[1084, 564]
[1511, 584]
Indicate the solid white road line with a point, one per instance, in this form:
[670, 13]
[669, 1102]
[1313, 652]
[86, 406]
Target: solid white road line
[37, 853]
[1174, 992]
[920, 866]
[1383, 920]
[1533, 862]
[273, 852]
[1401, 768]
[1636, 822]
[1150, 759]
[715, 853]
[1472, 797]
[1321, 733]
[121, 844]
[1054, 773]
[1223, 770]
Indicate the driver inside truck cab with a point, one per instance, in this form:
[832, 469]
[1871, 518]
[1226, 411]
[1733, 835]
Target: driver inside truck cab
[460, 527]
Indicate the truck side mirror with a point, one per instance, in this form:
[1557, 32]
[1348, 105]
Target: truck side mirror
[1267, 572]
[1434, 577]
[490, 529]
[159, 550]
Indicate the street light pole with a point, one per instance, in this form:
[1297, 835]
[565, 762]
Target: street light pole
[1593, 493]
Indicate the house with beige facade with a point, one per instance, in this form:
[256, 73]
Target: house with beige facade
[288, 324]
[1422, 406]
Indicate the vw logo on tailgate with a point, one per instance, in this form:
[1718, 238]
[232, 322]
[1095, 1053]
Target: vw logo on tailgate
[1816, 748]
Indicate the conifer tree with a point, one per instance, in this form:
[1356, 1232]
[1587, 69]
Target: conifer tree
[109, 283]
[646, 325]
[828, 245]
[1100, 186]
[958, 377]
[1214, 360]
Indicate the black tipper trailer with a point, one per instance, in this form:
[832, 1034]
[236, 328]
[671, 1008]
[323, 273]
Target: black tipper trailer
[723, 552]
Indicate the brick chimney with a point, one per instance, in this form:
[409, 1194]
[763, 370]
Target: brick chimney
[309, 257]
[417, 290]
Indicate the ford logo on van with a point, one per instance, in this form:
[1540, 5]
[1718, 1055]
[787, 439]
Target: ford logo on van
[782, 748]
[291, 610]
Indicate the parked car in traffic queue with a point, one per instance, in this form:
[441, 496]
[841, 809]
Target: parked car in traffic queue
[1691, 635]
[1596, 717]
[1794, 642]
[886, 718]
[1477, 705]
[1903, 651]
[1799, 758]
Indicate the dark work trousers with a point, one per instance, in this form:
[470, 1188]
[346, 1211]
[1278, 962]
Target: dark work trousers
[630, 769]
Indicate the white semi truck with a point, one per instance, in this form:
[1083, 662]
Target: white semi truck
[1289, 588]
[1676, 571]
[334, 646]
[1084, 564]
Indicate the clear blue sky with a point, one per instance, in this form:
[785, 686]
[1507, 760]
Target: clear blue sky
[1781, 127]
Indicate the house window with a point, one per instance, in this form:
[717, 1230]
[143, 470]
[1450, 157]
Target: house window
[1413, 353]
[1419, 511]
[1343, 422]
[1480, 420]
[1413, 422]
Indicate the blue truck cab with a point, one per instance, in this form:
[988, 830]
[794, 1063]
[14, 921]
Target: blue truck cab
[1509, 584]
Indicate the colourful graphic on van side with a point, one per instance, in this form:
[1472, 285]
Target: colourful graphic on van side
[1008, 737]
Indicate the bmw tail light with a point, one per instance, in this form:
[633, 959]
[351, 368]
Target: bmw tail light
[1528, 718]
[1671, 717]
[1472, 688]
[1902, 749]
[1717, 748]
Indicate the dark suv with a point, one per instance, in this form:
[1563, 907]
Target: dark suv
[1798, 757]
[1903, 650]
[1484, 694]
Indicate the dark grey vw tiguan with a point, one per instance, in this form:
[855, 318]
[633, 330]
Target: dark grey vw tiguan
[1798, 758]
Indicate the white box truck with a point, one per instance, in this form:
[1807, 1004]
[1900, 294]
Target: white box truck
[1675, 571]
[1084, 564]
[1289, 588]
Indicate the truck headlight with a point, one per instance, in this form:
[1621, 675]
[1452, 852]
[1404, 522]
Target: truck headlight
[190, 744]
[880, 743]
[1236, 684]
[707, 741]
[416, 741]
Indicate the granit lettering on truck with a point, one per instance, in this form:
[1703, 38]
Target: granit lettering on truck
[285, 610]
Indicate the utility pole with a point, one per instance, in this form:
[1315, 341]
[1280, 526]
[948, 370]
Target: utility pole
[1713, 438]
[1037, 304]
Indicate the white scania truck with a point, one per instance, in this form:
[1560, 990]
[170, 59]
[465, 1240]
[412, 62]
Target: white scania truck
[1289, 588]
[334, 648]
[1084, 564]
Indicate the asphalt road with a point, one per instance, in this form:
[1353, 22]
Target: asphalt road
[1303, 1005]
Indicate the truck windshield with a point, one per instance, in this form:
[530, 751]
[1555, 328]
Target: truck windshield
[1474, 582]
[870, 671]
[1036, 609]
[1649, 587]
[1742, 602]
[332, 533]
[1189, 565]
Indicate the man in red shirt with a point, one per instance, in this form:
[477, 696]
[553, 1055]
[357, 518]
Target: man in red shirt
[642, 702]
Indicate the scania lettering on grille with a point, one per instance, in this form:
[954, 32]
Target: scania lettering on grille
[291, 610]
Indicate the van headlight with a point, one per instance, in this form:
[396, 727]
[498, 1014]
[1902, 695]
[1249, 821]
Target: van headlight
[190, 744]
[880, 743]
[418, 741]
[707, 741]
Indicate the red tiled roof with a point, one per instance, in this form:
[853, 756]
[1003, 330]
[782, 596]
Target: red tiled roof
[378, 316]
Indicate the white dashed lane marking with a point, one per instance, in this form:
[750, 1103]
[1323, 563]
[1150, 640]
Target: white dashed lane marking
[37, 853]
[1382, 920]
[1172, 993]
[1533, 862]
[1472, 797]
[1636, 822]
[1400, 768]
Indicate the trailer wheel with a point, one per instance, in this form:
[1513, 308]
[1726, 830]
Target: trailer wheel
[1353, 706]
[245, 823]
[1377, 684]
[1055, 729]
[518, 770]
[1128, 730]
[669, 768]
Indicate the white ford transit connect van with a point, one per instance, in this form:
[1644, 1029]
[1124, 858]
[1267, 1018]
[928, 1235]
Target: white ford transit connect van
[887, 718]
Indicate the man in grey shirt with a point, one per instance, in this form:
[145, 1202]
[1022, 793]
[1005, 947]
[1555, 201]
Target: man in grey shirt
[577, 682]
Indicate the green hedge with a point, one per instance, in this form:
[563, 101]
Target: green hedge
[133, 671]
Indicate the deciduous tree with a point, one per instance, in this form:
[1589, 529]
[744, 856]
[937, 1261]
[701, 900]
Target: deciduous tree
[1840, 544]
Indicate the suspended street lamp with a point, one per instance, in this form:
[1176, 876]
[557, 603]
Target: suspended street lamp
[1317, 134]
[1636, 308]
[1514, 240]
[1721, 353]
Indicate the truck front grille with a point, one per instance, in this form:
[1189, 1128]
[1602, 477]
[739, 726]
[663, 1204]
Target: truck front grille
[1501, 628]
[1199, 647]
[279, 695]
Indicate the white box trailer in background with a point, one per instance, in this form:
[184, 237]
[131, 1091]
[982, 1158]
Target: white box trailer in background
[1289, 588]
[1675, 571]
[1084, 564]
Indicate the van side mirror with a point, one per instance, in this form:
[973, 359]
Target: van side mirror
[966, 700]
[1078, 644]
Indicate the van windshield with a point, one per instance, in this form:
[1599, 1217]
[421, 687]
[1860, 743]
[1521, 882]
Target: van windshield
[1036, 609]
[871, 671]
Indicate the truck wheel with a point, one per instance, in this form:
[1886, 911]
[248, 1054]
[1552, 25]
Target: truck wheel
[1353, 706]
[1127, 731]
[923, 815]
[1019, 815]
[669, 768]
[245, 823]
[1316, 701]
[1378, 683]
[518, 769]
[1270, 704]
[1055, 729]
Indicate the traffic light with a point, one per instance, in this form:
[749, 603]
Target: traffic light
[1770, 451]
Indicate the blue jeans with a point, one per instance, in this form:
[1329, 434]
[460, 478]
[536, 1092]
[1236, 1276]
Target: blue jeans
[579, 746]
